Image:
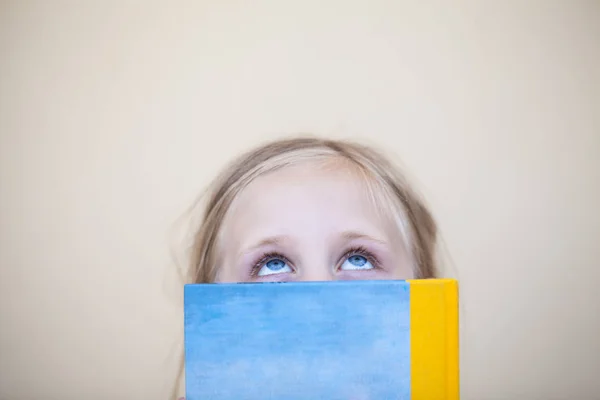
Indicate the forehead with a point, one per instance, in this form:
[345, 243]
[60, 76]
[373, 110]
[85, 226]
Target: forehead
[310, 198]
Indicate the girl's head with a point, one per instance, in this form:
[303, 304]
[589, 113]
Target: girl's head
[313, 209]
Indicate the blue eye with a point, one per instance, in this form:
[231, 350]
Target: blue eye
[356, 262]
[274, 266]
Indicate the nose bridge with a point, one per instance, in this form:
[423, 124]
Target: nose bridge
[316, 265]
[316, 273]
[314, 252]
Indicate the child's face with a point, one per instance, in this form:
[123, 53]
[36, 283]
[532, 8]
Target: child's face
[308, 223]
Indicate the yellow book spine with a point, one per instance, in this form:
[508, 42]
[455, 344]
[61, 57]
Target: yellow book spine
[434, 339]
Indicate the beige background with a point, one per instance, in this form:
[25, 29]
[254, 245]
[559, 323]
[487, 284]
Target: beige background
[114, 115]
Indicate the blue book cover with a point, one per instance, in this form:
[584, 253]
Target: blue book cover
[346, 340]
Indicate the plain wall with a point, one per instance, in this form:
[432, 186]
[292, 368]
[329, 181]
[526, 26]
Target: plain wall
[114, 115]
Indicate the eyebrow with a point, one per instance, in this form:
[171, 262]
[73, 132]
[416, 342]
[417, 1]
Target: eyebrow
[351, 235]
[278, 240]
[268, 241]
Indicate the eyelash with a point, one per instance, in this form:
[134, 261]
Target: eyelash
[361, 251]
[266, 258]
[356, 250]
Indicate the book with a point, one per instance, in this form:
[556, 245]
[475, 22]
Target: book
[346, 340]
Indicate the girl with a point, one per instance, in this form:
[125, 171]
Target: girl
[309, 209]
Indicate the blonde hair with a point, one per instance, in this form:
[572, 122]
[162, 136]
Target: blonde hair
[388, 187]
[387, 183]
